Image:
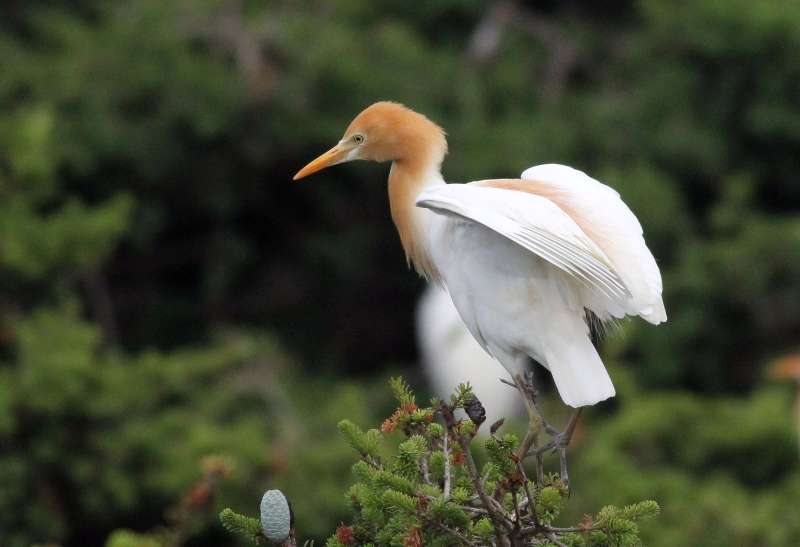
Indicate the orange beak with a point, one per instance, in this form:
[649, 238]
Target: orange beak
[331, 157]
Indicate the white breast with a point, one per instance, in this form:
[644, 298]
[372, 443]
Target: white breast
[499, 289]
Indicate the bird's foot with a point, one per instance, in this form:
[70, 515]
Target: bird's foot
[559, 443]
[559, 439]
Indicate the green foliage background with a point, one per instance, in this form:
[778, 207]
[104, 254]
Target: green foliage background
[166, 293]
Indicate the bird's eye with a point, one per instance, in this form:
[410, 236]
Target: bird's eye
[358, 138]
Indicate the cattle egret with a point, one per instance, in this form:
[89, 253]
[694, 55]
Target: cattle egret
[526, 260]
[450, 356]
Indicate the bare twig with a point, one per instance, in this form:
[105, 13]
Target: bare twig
[469, 508]
[531, 502]
[446, 465]
[536, 529]
[496, 513]
[517, 516]
[425, 473]
[506, 382]
[476, 510]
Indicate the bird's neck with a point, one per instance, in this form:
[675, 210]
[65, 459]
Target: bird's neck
[407, 179]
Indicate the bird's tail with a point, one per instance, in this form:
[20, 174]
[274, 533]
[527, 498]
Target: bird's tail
[579, 374]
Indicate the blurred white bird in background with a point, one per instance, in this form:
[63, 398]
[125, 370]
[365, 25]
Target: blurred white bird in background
[451, 356]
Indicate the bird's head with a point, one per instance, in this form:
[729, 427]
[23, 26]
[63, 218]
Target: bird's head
[385, 131]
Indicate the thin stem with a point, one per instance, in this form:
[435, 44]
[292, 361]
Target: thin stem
[506, 382]
[446, 465]
[425, 473]
[531, 501]
[516, 510]
[538, 529]
[469, 508]
[476, 510]
[496, 516]
[569, 529]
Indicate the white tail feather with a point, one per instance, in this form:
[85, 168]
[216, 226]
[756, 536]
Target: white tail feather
[579, 374]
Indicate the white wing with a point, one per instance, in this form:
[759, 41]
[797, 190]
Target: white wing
[536, 224]
[605, 218]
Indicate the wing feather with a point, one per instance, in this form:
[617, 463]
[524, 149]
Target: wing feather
[607, 220]
[536, 224]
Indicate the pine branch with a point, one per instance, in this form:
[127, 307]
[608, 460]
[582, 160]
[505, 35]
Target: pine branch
[240, 525]
[495, 512]
[430, 491]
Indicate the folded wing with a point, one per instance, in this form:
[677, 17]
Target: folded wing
[612, 226]
[537, 225]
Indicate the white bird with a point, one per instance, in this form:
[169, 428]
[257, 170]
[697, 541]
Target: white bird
[523, 259]
[450, 356]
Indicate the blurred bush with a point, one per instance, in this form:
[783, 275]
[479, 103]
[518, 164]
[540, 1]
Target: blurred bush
[725, 469]
[152, 247]
[96, 439]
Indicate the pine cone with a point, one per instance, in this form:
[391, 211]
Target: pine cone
[475, 410]
[277, 518]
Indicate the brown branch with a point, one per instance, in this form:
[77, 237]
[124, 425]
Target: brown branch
[424, 467]
[496, 516]
[517, 516]
[531, 501]
[446, 465]
[538, 529]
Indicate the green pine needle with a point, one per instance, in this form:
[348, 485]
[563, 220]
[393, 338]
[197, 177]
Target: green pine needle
[401, 391]
[643, 509]
[365, 443]
[397, 502]
[240, 525]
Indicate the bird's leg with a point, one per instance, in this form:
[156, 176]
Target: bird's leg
[561, 440]
[530, 386]
[535, 424]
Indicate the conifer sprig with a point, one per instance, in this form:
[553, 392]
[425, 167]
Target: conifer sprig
[431, 492]
[241, 525]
